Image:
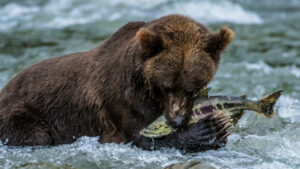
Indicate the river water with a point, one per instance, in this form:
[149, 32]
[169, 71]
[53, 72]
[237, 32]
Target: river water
[264, 57]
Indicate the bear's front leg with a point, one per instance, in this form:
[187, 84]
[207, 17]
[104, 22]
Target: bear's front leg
[209, 133]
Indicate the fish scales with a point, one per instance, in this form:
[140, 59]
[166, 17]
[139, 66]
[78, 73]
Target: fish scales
[231, 106]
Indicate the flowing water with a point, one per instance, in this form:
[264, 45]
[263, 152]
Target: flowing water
[264, 57]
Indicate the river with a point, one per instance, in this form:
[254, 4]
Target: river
[264, 57]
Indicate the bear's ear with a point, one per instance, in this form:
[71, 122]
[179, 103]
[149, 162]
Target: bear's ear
[150, 42]
[217, 42]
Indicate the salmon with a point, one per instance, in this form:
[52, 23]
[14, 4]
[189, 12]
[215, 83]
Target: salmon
[230, 106]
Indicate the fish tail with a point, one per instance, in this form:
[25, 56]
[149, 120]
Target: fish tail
[267, 104]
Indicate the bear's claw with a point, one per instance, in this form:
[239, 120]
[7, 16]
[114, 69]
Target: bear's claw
[208, 133]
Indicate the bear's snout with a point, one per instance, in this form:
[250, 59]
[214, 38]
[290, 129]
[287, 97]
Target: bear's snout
[179, 122]
[177, 109]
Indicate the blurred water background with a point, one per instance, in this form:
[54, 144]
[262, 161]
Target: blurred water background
[264, 57]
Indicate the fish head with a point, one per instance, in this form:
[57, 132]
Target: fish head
[157, 129]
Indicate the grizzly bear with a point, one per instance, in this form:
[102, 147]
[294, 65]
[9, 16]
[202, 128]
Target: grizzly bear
[143, 70]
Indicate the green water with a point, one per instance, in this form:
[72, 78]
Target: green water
[264, 57]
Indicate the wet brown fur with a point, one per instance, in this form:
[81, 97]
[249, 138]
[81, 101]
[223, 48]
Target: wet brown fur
[115, 89]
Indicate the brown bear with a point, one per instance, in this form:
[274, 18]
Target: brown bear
[143, 70]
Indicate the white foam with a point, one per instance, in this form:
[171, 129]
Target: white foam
[295, 71]
[271, 165]
[289, 107]
[57, 13]
[209, 11]
[261, 66]
[13, 10]
[12, 14]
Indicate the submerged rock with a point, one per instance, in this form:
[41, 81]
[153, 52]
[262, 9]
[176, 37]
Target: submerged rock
[44, 165]
[191, 165]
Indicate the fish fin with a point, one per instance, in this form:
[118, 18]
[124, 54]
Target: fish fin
[244, 96]
[237, 116]
[204, 92]
[268, 103]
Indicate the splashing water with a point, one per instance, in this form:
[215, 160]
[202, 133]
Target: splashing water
[59, 14]
[263, 58]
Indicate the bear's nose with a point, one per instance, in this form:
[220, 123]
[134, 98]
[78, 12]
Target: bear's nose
[178, 122]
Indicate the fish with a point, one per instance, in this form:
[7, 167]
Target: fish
[231, 107]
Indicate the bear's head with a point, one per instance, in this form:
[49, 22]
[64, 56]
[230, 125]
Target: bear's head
[180, 58]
